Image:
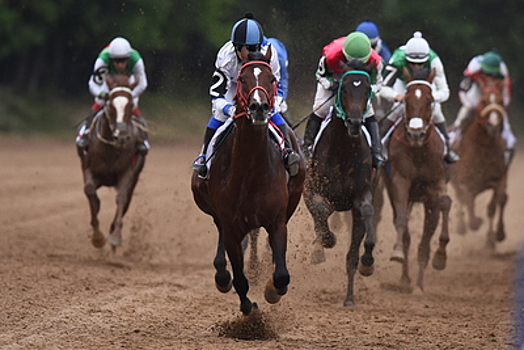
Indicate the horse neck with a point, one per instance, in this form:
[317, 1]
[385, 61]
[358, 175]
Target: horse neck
[102, 126]
[251, 143]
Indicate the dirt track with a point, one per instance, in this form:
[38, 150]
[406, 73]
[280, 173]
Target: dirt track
[58, 292]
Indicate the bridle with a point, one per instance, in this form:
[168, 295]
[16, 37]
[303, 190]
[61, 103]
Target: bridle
[118, 125]
[415, 125]
[243, 100]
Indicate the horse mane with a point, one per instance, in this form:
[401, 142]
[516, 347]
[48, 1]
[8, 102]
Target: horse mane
[257, 56]
[355, 64]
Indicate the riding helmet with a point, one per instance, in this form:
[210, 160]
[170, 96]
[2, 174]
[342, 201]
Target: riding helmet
[357, 46]
[119, 48]
[417, 49]
[370, 29]
[247, 31]
[490, 63]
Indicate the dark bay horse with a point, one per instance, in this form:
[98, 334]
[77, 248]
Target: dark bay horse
[339, 176]
[248, 186]
[482, 165]
[111, 158]
[415, 172]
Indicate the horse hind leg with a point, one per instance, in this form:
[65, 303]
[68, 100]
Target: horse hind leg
[440, 257]
[320, 211]
[223, 281]
[431, 218]
[97, 239]
[492, 236]
[234, 251]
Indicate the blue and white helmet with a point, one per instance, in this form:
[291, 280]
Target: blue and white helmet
[247, 31]
[370, 29]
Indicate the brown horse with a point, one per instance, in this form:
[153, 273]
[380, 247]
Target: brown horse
[339, 176]
[248, 186]
[482, 165]
[111, 158]
[415, 173]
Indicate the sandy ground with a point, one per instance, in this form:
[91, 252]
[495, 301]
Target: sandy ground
[59, 292]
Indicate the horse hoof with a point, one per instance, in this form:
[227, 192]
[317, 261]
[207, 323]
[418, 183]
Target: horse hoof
[223, 282]
[328, 240]
[349, 302]
[271, 294]
[439, 261]
[98, 241]
[247, 306]
[318, 257]
[365, 270]
[115, 241]
[398, 256]
[501, 235]
[475, 224]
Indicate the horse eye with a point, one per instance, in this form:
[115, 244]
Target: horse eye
[242, 80]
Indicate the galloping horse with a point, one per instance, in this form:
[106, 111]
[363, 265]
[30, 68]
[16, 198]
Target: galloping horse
[415, 172]
[111, 158]
[339, 176]
[482, 165]
[248, 186]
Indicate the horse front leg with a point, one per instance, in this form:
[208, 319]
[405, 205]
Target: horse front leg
[366, 212]
[399, 197]
[431, 218]
[474, 220]
[320, 210]
[278, 285]
[358, 232]
[97, 239]
[236, 258]
[440, 256]
[223, 280]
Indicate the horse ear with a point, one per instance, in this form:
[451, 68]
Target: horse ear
[432, 75]
[268, 54]
[110, 81]
[132, 86]
[344, 66]
[244, 55]
[407, 77]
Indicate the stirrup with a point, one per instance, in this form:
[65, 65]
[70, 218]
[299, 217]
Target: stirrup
[199, 165]
[82, 142]
[451, 157]
[143, 147]
[291, 161]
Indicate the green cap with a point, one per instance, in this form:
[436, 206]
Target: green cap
[490, 63]
[357, 46]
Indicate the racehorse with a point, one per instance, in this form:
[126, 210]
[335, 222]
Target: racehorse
[339, 175]
[415, 173]
[248, 187]
[111, 158]
[482, 164]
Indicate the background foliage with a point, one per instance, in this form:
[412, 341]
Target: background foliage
[48, 48]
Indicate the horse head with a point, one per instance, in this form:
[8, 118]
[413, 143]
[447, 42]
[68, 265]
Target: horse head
[418, 103]
[256, 87]
[353, 92]
[119, 107]
[491, 111]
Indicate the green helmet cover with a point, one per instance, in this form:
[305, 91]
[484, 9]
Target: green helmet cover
[357, 46]
[490, 63]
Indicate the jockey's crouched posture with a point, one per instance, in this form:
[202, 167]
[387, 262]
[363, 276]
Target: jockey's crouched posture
[117, 58]
[246, 33]
[355, 46]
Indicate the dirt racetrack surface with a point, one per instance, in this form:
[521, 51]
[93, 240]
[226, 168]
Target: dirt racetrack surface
[157, 292]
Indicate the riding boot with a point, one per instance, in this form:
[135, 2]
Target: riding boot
[450, 157]
[142, 145]
[82, 139]
[312, 128]
[200, 162]
[376, 145]
[291, 158]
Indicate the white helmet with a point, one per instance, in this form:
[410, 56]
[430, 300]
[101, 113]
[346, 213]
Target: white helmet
[119, 48]
[417, 49]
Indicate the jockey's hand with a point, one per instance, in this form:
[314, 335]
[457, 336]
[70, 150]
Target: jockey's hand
[103, 95]
[230, 110]
[399, 98]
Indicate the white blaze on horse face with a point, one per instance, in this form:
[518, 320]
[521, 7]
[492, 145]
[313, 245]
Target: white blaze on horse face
[120, 103]
[256, 95]
[418, 94]
[492, 98]
[493, 118]
[416, 123]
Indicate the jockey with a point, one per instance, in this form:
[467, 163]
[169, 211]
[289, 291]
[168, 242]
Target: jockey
[417, 54]
[117, 58]
[490, 64]
[355, 46]
[246, 33]
[377, 44]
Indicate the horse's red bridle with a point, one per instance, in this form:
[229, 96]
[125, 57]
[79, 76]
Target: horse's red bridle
[244, 100]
